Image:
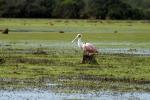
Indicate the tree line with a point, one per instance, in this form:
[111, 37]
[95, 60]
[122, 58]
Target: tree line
[78, 9]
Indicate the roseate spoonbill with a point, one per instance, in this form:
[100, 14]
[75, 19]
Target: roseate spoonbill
[87, 48]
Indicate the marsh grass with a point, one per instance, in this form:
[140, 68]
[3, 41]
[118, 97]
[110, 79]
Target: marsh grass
[67, 70]
[41, 54]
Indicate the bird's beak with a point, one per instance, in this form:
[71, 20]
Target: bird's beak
[74, 39]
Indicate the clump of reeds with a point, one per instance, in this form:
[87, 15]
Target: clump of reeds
[61, 32]
[2, 60]
[40, 51]
[5, 31]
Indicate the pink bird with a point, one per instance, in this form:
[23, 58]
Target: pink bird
[88, 48]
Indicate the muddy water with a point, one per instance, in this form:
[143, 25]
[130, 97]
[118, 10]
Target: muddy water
[35, 94]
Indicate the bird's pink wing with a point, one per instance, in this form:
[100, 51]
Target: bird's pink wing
[88, 47]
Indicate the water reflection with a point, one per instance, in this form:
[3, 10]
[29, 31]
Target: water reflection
[49, 95]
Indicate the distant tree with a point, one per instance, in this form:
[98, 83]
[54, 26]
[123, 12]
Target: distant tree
[49, 5]
[38, 8]
[97, 9]
[118, 10]
[2, 7]
[68, 8]
[9, 8]
[26, 8]
[32, 8]
[112, 9]
[147, 14]
[138, 14]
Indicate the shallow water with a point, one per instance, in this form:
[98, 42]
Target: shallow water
[103, 47]
[49, 95]
[140, 51]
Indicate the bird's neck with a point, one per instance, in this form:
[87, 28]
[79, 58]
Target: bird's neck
[80, 43]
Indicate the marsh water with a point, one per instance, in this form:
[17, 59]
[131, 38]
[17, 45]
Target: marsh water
[36, 94]
[103, 47]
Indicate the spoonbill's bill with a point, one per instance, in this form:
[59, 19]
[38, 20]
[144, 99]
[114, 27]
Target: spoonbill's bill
[88, 48]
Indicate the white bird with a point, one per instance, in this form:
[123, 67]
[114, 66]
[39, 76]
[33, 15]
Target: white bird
[88, 48]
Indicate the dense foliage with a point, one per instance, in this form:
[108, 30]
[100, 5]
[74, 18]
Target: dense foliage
[96, 9]
[141, 4]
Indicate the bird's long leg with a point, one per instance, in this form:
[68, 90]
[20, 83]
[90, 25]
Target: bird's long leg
[85, 56]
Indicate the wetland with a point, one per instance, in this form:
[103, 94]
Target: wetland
[42, 63]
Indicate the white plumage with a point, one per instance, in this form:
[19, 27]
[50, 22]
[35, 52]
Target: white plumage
[87, 48]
